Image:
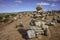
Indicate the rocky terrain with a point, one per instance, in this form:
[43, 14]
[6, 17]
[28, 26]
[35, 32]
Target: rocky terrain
[11, 32]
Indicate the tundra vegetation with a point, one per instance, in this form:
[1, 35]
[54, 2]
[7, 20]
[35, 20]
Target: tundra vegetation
[5, 17]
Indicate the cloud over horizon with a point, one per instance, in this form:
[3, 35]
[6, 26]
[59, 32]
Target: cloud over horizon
[54, 0]
[46, 4]
[43, 3]
[53, 5]
[18, 1]
[14, 3]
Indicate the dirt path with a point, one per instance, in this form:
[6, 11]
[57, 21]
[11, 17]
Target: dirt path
[11, 33]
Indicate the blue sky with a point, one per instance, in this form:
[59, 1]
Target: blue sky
[28, 5]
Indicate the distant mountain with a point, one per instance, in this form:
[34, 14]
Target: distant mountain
[57, 11]
[19, 12]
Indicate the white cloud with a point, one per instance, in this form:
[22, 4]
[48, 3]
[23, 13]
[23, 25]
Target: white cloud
[53, 5]
[53, 0]
[43, 3]
[18, 1]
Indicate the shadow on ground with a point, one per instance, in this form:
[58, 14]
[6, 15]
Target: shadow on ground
[23, 32]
